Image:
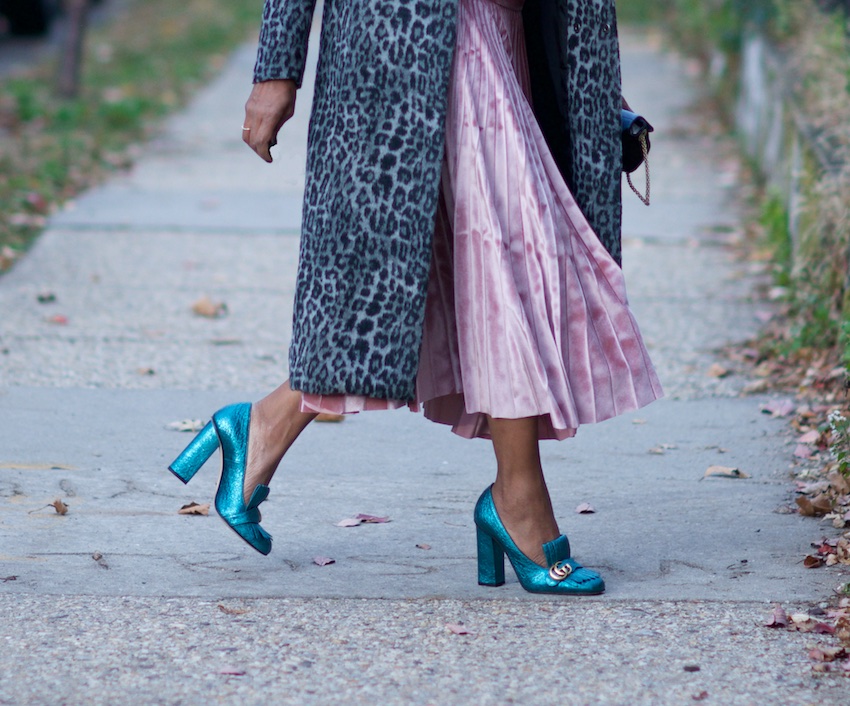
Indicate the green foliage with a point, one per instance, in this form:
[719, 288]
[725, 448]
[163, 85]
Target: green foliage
[813, 39]
[774, 222]
[27, 104]
[706, 25]
[844, 343]
[137, 68]
[816, 329]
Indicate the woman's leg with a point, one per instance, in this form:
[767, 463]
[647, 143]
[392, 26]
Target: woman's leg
[520, 492]
[276, 422]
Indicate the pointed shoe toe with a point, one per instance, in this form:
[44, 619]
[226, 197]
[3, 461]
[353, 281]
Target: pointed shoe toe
[246, 522]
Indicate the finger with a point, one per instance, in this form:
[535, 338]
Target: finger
[262, 140]
[264, 151]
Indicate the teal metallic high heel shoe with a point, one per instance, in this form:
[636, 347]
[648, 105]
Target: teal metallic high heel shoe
[228, 429]
[564, 575]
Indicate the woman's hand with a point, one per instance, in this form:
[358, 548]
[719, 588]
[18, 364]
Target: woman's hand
[269, 106]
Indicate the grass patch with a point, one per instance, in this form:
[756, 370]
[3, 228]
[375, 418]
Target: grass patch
[141, 65]
[774, 225]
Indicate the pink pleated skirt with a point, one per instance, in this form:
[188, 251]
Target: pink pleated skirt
[527, 314]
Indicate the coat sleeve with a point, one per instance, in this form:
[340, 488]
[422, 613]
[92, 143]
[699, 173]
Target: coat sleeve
[282, 50]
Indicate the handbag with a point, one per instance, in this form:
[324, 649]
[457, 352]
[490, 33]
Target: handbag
[636, 146]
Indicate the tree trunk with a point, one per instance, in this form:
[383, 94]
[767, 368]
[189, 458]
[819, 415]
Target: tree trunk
[72, 51]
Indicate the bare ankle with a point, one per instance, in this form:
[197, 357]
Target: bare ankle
[528, 518]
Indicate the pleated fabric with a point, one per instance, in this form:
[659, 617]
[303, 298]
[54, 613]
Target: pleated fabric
[527, 314]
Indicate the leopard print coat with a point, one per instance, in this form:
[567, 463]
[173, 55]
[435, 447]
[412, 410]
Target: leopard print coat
[374, 159]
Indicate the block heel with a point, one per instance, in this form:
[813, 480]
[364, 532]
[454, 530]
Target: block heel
[195, 455]
[491, 560]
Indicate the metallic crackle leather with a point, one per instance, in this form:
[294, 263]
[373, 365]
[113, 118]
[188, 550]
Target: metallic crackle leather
[231, 424]
[494, 542]
[195, 455]
[229, 430]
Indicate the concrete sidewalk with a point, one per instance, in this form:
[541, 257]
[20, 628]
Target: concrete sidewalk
[177, 610]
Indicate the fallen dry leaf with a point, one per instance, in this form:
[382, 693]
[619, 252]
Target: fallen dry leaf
[194, 508]
[27, 219]
[232, 611]
[823, 629]
[209, 309]
[803, 451]
[779, 408]
[842, 630]
[692, 668]
[755, 387]
[361, 519]
[839, 481]
[812, 488]
[585, 509]
[323, 560]
[778, 619]
[193, 425]
[7, 257]
[60, 507]
[827, 654]
[101, 562]
[812, 562]
[371, 519]
[8, 578]
[37, 202]
[818, 507]
[764, 370]
[718, 371]
[225, 341]
[701, 696]
[458, 628]
[724, 472]
[810, 437]
[426, 547]
[801, 619]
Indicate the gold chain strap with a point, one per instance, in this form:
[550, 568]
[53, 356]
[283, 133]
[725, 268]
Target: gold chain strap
[645, 150]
